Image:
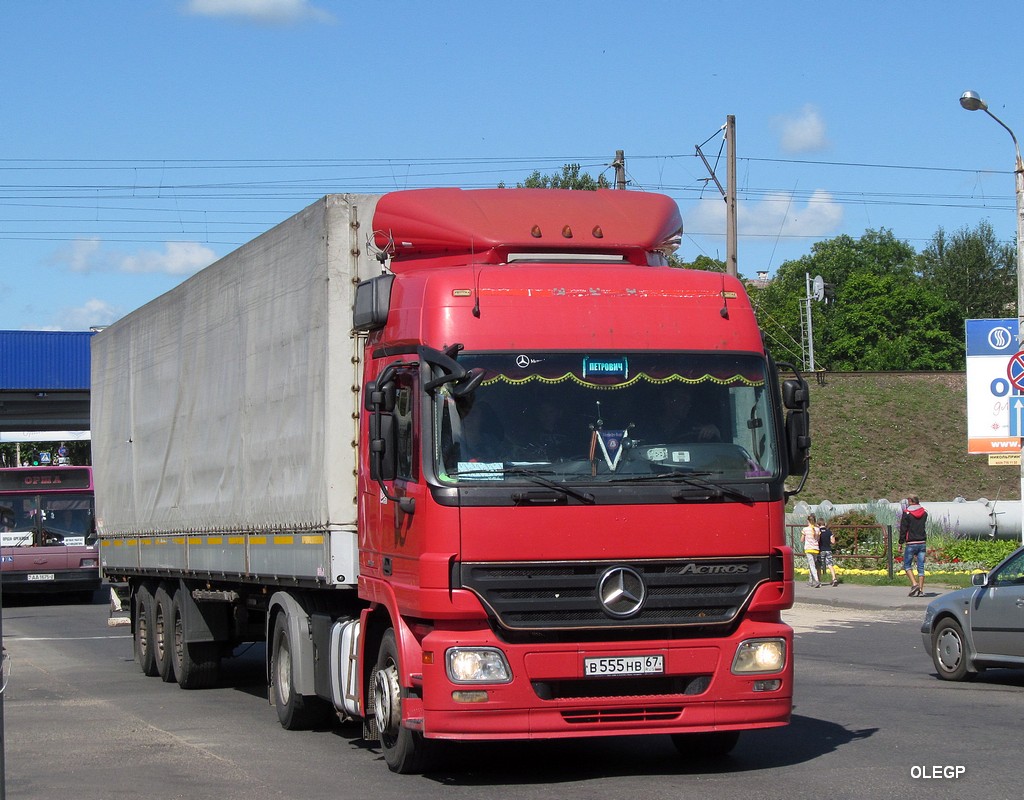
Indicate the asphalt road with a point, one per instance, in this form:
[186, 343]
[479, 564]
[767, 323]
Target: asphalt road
[870, 720]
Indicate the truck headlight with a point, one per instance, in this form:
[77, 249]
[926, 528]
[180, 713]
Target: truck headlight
[477, 665]
[759, 655]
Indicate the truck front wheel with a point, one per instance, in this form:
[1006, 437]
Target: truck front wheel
[405, 751]
[295, 711]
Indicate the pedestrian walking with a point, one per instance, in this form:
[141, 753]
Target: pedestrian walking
[811, 535]
[912, 537]
[825, 545]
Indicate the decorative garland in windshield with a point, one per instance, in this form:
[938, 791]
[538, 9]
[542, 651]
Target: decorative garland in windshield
[735, 380]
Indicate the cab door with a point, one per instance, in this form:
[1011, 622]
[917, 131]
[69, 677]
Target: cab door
[398, 539]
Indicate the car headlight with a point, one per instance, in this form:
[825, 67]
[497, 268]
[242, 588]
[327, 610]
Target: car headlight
[477, 665]
[759, 655]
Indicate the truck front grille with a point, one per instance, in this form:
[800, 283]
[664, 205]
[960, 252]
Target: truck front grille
[549, 596]
[619, 716]
[610, 688]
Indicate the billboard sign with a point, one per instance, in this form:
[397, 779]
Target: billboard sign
[995, 375]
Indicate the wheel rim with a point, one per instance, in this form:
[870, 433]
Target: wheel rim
[386, 701]
[284, 672]
[949, 650]
[159, 631]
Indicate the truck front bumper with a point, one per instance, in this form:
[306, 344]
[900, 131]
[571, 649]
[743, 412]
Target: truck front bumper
[550, 694]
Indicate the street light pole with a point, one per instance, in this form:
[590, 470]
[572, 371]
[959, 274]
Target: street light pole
[972, 102]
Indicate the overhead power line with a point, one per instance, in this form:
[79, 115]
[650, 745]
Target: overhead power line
[42, 199]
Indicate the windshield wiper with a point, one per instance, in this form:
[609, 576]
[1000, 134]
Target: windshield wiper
[696, 479]
[538, 477]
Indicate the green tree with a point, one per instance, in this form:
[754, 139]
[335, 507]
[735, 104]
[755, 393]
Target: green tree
[571, 178]
[780, 303]
[79, 453]
[701, 262]
[973, 271]
[890, 322]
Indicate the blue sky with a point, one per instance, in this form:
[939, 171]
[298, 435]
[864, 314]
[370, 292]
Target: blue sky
[140, 141]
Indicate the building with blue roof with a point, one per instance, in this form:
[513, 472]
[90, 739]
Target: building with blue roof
[44, 380]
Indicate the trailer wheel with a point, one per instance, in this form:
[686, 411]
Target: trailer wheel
[144, 631]
[297, 712]
[196, 664]
[703, 746]
[405, 751]
[162, 634]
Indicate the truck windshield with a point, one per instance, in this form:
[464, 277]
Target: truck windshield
[609, 416]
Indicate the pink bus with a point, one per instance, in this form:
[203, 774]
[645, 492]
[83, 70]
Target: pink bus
[48, 531]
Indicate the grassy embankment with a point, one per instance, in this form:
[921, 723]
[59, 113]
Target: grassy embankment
[887, 435]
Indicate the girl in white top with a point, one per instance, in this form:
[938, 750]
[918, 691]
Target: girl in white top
[811, 536]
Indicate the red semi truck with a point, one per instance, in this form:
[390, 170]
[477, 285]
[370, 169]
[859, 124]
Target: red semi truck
[473, 464]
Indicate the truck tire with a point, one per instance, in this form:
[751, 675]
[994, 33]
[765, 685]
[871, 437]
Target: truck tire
[704, 746]
[143, 624]
[196, 664]
[162, 634]
[405, 751]
[296, 712]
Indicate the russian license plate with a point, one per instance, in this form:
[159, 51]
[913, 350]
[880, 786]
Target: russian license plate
[623, 665]
[40, 576]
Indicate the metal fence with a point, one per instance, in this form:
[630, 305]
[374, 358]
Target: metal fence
[867, 546]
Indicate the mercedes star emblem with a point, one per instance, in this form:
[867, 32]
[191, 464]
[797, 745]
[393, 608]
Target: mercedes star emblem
[621, 592]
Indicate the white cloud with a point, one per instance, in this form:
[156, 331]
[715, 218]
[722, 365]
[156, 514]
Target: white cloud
[776, 215]
[81, 256]
[266, 12]
[803, 132]
[91, 312]
[177, 258]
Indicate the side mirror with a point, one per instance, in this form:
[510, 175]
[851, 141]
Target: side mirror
[798, 441]
[383, 448]
[979, 579]
[794, 394]
[380, 402]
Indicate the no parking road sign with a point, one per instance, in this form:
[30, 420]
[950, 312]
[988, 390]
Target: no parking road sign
[1015, 370]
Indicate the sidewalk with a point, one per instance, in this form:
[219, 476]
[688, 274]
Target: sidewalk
[856, 595]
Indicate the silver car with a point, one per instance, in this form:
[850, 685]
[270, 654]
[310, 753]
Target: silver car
[983, 626]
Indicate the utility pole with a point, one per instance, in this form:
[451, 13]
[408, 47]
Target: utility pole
[728, 194]
[620, 169]
[809, 344]
[731, 259]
